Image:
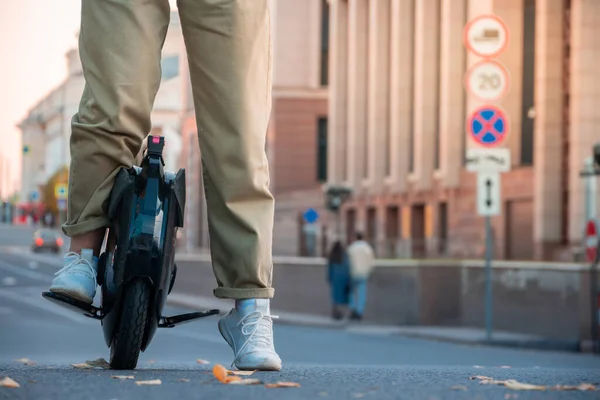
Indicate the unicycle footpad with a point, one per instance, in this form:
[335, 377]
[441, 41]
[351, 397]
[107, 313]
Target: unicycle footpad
[74, 305]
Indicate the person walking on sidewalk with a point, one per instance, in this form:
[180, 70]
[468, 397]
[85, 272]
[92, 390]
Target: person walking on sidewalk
[229, 52]
[338, 277]
[362, 261]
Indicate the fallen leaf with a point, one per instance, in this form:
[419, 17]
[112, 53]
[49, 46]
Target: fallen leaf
[200, 361]
[98, 363]
[246, 382]
[481, 378]
[82, 366]
[151, 362]
[31, 381]
[509, 396]
[152, 382]
[514, 385]
[584, 387]
[25, 361]
[459, 387]
[505, 366]
[282, 385]
[242, 373]
[222, 374]
[9, 383]
[123, 377]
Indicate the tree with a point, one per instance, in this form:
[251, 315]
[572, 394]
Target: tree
[49, 199]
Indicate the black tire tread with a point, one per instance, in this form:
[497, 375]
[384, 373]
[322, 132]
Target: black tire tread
[127, 342]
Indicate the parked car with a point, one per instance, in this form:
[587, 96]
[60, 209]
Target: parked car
[48, 240]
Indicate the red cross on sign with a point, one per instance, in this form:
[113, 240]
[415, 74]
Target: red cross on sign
[591, 241]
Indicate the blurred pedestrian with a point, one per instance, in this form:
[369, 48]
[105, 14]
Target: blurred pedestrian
[361, 256]
[338, 276]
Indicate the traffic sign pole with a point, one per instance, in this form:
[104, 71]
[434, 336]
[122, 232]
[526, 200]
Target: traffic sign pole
[487, 36]
[489, 254]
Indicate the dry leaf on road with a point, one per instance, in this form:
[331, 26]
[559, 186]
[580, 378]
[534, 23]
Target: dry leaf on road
[152, 382]
[505, 366]
[282, 385]
[82, 366]
[514, 385]
[9, 383]
[25, 361]
[481, 378]
[241, 373]
[459, 387]
[246, 382]
[183, 380]
[509, 396]
[222, 374]
[123, 377]
[584, 387]
[200, 361]
[151, 362]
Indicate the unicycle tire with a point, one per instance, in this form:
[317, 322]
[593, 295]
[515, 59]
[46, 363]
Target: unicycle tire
[127, 341]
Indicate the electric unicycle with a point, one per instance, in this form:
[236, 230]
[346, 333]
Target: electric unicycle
[136, 270]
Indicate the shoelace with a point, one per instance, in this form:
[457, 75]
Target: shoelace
[78, 262]
[250, 327]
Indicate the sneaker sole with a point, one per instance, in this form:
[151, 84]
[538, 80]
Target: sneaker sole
[73, 295]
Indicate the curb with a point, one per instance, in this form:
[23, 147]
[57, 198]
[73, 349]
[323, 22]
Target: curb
[572, 346]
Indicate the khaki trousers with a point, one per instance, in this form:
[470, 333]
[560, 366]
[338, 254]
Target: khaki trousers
[229, 54]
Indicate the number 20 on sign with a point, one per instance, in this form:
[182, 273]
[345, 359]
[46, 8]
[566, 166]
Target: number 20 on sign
[487, 80]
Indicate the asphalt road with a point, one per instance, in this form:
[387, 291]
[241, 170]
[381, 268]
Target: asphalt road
[328, 364]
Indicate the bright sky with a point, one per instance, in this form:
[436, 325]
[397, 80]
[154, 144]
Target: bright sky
[34, 37]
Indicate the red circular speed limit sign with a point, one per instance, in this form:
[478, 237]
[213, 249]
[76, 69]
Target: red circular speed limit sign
[591, 240]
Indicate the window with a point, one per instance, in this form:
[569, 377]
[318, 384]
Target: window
[527, 119]
[322, 149]
[170, 67]
[324, 42]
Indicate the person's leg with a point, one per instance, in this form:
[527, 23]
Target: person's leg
[361, 295]
[229, 52]
[120, 45]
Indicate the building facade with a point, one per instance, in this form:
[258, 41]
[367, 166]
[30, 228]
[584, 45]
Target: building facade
[47, 126]
[397, 124]
[297, 133]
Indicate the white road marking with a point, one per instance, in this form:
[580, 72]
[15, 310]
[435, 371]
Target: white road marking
[9, 281]
[25, 272]
[44, 305]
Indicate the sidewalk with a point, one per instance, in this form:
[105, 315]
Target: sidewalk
[469, 336]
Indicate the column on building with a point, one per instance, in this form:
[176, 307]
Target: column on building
[584, 104]
[452, 92]
[402, 88]
[548, 105]
[426, 97]
[511, 11]
[357, 91]
[378, 93]
[338, 91]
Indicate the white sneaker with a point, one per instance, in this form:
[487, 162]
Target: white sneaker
[77, 279]
[248, 328]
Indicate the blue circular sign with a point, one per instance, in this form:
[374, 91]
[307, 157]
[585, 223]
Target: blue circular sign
[311, 215]
[488, 126]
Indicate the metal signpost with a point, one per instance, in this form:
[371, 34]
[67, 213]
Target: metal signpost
[592, 242]
[311, 216]
[61, 194]
[487, 36]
